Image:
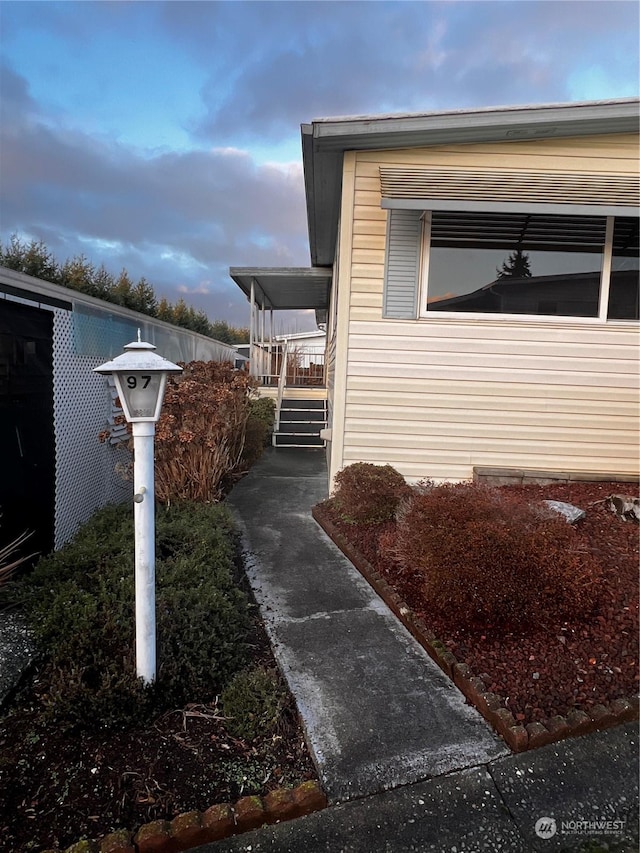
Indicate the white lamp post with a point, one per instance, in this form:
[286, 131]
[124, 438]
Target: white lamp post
[140, 378]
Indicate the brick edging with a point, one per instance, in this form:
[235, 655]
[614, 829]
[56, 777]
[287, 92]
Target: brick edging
[518, 737]
[194, 828]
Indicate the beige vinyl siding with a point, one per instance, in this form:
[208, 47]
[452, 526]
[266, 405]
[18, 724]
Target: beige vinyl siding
[437, 396]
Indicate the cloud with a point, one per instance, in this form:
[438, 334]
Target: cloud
[200, 288]
[176, 217]
[151, 135]
[296, 61]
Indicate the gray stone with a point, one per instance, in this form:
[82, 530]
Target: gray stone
[626, 507]
[569, 511]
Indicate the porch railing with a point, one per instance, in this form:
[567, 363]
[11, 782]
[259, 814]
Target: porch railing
[285, 362]
[282, 382]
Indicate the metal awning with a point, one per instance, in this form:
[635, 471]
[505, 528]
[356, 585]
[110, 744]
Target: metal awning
[285, 288]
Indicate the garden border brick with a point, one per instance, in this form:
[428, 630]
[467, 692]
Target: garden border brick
[518, 738]
[191, 829]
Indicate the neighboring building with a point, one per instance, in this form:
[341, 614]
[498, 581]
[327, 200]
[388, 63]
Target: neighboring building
[478, 273]
[52, 406]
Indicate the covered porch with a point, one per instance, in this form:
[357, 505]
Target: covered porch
[283, 289]
[294, 376]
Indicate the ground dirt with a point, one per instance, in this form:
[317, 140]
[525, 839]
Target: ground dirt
[551, 668]
[58, 786]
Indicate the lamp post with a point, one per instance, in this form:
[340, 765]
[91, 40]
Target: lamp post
[140, 377]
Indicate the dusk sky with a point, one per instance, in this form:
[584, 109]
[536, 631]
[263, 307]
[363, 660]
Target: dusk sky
[165, 137]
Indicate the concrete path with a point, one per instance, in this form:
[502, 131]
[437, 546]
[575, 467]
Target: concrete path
[377, 711]
[581, 794]
[407, 766]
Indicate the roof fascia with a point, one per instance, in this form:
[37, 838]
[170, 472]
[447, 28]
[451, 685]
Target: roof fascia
[324, 142]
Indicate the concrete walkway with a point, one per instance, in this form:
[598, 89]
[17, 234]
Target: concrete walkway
[413, 766]
[377, 710]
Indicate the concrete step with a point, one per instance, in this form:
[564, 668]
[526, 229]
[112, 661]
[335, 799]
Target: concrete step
[281, 439]
[298, 427]
[290, 403]
[295, 415]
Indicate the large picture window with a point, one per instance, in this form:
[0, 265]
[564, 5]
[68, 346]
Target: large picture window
[533, 264]
[624, 289]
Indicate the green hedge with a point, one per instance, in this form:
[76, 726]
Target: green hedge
[80, 602]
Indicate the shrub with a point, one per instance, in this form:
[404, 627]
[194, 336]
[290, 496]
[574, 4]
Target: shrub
[259, 428]
[492, 558]
[80, 601]
[253, 703]
[368, 494]
[201, 433]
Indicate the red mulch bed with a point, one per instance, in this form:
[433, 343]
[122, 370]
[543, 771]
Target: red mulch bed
[557, 667]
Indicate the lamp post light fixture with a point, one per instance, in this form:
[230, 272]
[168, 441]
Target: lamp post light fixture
[140, 377]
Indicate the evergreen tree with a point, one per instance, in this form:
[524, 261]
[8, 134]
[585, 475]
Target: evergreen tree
[30, 258]
[144, 298]
[222, 331]
[79, 274]
[181, 314]
[122, 291]
[516, 266]
[201, 324]
[165, 310]
[103, 283]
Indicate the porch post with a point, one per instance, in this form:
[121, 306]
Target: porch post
[252, 365]
[262, 350]
[271, 364]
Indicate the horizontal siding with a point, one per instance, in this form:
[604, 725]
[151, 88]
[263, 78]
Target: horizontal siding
[517, 405]
[438, 398]
[607, 154]
[617, 154]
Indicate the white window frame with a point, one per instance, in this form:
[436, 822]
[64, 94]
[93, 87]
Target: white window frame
[603, 306]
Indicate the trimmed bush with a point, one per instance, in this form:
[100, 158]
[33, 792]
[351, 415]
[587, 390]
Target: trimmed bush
[489, 557]
[201, 433]
[253, 703]
[80, 601]
[262, 413]
[368, 494]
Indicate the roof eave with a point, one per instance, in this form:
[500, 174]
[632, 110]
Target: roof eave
[324, 142]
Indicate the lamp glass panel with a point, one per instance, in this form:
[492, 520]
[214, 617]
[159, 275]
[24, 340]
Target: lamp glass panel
[140, 391]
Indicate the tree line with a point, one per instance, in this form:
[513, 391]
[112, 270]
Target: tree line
[78, 273]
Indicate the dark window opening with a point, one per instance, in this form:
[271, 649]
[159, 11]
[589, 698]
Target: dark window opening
[515, 263]
[624, 287]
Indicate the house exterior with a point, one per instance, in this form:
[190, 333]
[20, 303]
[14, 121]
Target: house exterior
[53, 406]
[482, 302]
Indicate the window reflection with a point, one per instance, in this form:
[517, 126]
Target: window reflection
[515, 263]
[624, 286]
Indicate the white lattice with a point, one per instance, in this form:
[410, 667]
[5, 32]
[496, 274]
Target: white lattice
[86, 475]
[86, 471]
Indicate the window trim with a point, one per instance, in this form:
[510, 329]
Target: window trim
[605, 281]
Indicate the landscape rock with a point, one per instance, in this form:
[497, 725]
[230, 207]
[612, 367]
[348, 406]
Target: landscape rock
[626, 507]
[569, 511]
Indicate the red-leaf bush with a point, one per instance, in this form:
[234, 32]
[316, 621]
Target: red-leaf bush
[201, 433]
[368, 494]
[490, 557]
